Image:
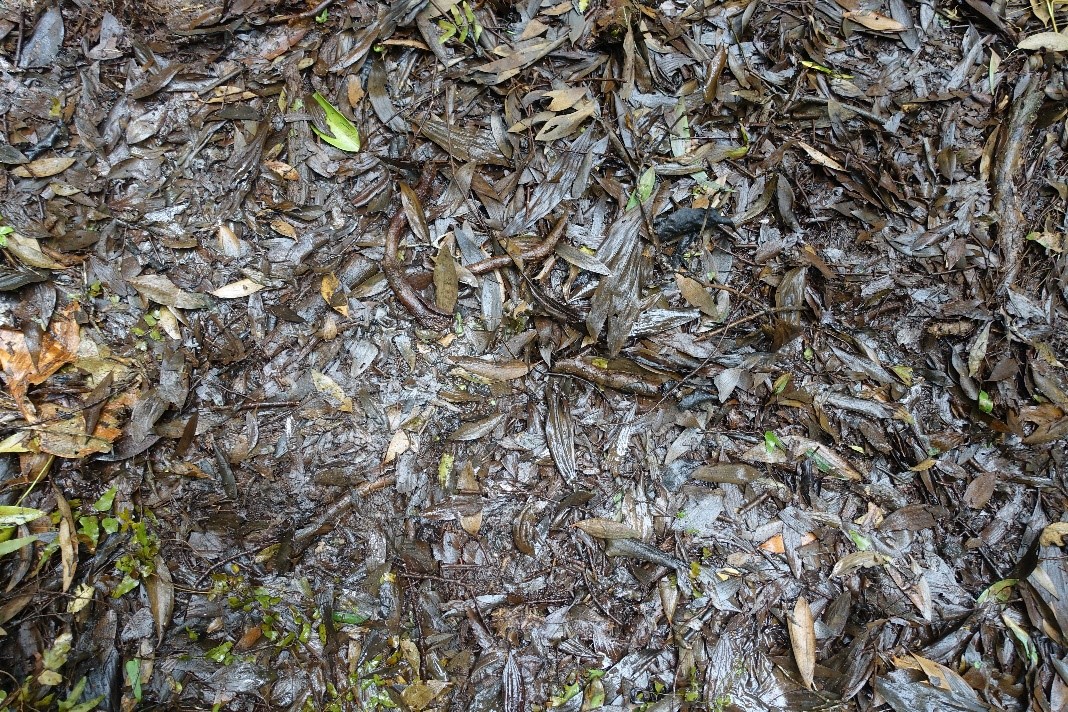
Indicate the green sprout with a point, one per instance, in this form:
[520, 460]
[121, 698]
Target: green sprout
[462, 24]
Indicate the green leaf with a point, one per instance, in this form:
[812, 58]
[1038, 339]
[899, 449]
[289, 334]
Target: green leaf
[862, 542]
[133, 672]
[7, 547]
[104, 503]
[476, 29]
[771, 442]
[127, 584]
[346, 135]
[999, 591]
[219, 653]
[645, 189]
[447, 30]
[461, 23]
[985, 403]
[1028, 645]
[14, 516]
[90, 527]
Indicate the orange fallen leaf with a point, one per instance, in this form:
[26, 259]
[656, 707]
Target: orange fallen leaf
[62, 429]
[22, 369]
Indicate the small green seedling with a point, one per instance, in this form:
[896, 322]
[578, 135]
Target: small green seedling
[345, 135]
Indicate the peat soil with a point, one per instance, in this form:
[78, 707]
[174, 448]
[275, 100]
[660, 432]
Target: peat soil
[542, 355]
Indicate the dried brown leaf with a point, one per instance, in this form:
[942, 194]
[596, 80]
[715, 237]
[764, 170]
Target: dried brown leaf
[160, 590]
[446, 286]
[874, 21]
[803, 640]
[607, 529]
[493, 370]
[159, 289]
[476, 429]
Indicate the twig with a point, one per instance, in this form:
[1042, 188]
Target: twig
[717, 332]
[540, 251]
[405, 293]
[422, 278]
[863, 113]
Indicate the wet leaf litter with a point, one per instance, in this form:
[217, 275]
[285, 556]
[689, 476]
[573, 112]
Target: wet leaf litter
[585, 355]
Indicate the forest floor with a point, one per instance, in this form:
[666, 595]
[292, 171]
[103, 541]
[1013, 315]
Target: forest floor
[544, 355]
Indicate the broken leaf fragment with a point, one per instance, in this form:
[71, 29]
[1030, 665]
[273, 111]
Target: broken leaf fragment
[345, 134]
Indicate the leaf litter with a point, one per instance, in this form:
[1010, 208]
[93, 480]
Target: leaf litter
[587, 355]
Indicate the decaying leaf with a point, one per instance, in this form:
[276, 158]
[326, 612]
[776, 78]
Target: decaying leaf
[446, 284]
[560, 429]
[874, 21]
[476, 429]
[44, 167]
[803, 639]
[493, 370]
[23, 368]
[607, 529]
[158, 288]
[240, 288]
[329, 387]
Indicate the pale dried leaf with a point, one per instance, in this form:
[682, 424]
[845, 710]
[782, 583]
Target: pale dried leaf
[240, 288]
[803, 640]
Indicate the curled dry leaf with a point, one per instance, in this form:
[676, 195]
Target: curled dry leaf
[29, 252]
[1053, 534]
[524, 529]
[1052, 41]
[858, 560]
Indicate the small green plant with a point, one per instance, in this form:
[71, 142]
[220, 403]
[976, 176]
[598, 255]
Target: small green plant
[345, 134]
[463, 23]
[646, 183]
[322, 17]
